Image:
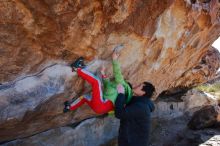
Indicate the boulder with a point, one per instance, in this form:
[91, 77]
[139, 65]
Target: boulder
[208, 116]
[168, 44]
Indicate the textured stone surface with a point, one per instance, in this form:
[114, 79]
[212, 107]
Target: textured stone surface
[35, 103]
[172, 107]
[35, 32]
[175, 133]
[169, 127]
[208, 116]
[166, 43]
[92, 132]
[103, 132]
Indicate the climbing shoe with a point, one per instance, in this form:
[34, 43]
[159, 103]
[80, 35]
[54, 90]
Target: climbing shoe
[66, 106]
[78, 63]
[66, 103]
[66, 109]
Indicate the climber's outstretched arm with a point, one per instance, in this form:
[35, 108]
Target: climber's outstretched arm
[117, 69]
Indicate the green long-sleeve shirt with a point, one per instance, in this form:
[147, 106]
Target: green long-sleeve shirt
[110, 87]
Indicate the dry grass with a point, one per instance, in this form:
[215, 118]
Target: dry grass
[213, 89]
[210, 88]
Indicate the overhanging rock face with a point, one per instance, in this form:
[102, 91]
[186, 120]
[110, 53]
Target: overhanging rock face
[168, 44]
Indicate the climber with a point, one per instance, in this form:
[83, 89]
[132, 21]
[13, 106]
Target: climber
[101, 101]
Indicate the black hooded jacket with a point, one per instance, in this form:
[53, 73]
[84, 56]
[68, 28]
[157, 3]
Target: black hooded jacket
[135, 120]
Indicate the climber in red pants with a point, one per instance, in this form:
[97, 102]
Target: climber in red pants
[95, 100]
[101, 101]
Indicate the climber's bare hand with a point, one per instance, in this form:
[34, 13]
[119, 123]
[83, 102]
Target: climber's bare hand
[103, 69]
[115, 55]
[120, 88]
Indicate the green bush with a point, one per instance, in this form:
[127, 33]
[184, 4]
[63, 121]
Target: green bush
[209, 87]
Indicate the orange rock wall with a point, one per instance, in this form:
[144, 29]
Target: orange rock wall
[165, 41]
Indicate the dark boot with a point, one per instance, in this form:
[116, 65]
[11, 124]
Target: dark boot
[78, 63]
[66, 106]
[66, 103]
[66, 109]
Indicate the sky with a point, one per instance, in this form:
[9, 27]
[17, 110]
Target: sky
[216, 45]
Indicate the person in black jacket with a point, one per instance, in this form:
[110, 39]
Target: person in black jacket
[135, 117]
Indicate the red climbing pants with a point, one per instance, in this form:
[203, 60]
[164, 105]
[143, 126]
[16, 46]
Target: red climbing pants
[94, 100]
